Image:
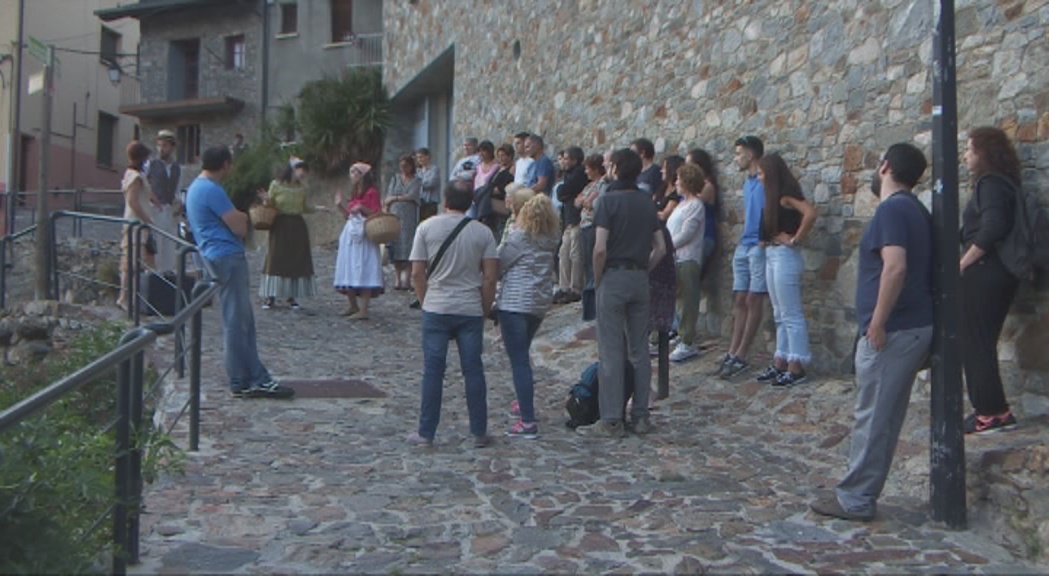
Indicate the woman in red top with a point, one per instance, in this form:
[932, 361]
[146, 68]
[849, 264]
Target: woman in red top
[358, 266]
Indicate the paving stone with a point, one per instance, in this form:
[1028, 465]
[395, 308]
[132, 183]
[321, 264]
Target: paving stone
[328, 485]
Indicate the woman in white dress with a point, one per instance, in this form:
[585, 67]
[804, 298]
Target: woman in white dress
[137, 206]
[358, 266]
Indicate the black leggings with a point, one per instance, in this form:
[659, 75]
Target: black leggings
[987, 292]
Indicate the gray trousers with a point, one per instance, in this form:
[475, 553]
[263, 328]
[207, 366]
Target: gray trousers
[622, 332]
[883, 389]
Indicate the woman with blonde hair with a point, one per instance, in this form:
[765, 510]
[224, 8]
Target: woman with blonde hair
[516, 197]
[137, 194]
[526, 267]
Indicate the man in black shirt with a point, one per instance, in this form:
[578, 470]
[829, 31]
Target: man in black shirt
[571, 254]
[629, 243]
[651, 178]
[894, 309]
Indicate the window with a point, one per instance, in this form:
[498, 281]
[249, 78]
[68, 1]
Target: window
[341, 20]
[289, 18]
[184, 70]
[107, 132]
[235, 52]
[109, 46]
[189, 143]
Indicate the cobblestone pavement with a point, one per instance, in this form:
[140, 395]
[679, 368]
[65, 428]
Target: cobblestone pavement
[329, 485]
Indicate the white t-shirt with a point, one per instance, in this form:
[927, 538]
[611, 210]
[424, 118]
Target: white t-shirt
[686, 225]
[521, 170]
[455, 286]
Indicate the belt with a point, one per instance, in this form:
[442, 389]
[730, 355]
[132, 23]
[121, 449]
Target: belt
[623, 266]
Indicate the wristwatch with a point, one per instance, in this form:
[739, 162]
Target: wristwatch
[793, 240]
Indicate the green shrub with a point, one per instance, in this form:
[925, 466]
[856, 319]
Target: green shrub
[56, 468]
[253, 169]
[343, 120]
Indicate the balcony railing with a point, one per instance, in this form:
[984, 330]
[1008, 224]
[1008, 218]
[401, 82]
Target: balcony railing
[130, 94]
[362, 50]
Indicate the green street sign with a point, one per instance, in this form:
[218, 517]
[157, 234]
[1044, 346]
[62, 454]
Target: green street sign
[40, 51]
[44, 54]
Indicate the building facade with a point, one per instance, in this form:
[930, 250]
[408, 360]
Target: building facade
[88, 132]
[311, 39]
[198, 74]
[828, 84]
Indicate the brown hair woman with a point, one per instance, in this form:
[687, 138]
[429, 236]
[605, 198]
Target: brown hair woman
[987, 287]
[137, 206]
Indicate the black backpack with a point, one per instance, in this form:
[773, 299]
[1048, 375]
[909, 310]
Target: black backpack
[582, 404]
[1025, 250]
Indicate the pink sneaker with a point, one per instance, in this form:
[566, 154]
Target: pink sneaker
[515, 409]
[522, 430]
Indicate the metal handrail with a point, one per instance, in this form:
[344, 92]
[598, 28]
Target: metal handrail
[129, 360]
[4, 243]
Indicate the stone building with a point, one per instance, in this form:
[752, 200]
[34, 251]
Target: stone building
[828, 84]
[198, 73]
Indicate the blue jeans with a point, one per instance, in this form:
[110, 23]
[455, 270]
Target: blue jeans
[748, 270]
[785, 267]
[518, 330]
[243, 366]
[468, 333]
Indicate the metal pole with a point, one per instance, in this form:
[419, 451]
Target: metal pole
[180, 333]
[55, 285]
[947, 449]
[664, 365]
[15, 153]
[135, 457]
[123, 436]
[3, 273]
[43, 238]
[129, 284]
[196, 333]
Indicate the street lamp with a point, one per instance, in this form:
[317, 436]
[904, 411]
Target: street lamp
[114, 73]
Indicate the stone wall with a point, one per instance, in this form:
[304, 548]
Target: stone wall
[828, 84]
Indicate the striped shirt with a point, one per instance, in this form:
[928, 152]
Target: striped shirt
[526, 266]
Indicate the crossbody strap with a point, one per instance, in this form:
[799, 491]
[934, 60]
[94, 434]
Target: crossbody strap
[444, 247]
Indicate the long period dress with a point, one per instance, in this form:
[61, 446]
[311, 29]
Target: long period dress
[406, 212]
[288, 272]
[358, 265]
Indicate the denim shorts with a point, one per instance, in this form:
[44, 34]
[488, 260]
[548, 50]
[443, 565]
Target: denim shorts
[748, 270]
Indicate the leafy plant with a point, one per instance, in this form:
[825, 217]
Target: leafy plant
[56, 468]
[343, 120]
[254, 168]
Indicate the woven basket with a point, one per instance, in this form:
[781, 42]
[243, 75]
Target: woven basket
[382, 228]
[262, 217]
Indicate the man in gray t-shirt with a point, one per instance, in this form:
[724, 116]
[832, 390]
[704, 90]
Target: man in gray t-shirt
[628, 244]
[456, 297]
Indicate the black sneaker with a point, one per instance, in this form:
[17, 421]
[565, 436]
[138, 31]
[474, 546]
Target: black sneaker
[239, 392]
[735, 366]
[725, 361]
[771, 374]
[788, 379]
[270, 389]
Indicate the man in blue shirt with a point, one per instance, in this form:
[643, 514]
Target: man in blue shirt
[894, 310]
[540, 176]
[219, 230]
[748, 262]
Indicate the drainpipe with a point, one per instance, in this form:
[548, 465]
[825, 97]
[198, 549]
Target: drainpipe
[265, 58]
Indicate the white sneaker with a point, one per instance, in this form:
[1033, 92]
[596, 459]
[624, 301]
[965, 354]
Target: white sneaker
[683, 352]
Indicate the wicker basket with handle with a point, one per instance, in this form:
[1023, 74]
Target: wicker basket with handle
[262, 216]
[382, 228]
